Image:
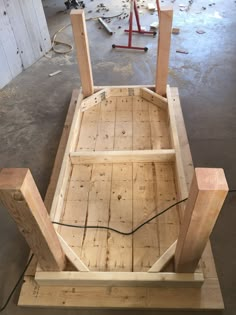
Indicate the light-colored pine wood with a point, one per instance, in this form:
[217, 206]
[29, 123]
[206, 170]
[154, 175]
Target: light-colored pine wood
[122, 90]
[164, 259]
[119, 247]
[94, 99]
[154, 98]
[207, 194]
[71, 255]
[19, 194]
[206, 297]
[61, 150]
[146, 246]
[163, 54]
[66, 167]
[122, 279]
[123, 123]
[94, 242]
[182, 190]
[81, 157]
[82, 49]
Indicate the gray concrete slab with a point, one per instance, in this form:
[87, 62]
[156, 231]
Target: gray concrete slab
[33, 108]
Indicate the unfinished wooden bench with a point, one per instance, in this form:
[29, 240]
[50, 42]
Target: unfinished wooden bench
[123, 159]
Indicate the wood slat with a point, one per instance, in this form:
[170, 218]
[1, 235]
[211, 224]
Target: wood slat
[120, 279]
[122, 156]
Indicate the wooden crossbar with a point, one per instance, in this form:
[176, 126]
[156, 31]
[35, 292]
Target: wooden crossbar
[124, 279]
[141, 156]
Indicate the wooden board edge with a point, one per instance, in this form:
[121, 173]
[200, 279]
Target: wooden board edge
[66, 166]
[207, 262]
[154, 98]
[33, 295]
[124, 90]
[164, 259]
[164, 155]
[123, 279]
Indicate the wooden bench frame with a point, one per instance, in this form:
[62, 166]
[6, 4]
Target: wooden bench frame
[202, 191]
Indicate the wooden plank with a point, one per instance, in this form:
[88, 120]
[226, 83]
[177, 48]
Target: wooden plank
[82, 49]
[205, 298]
[123, 123]
[61, 150]
[154, 98]
[207, 262]
[19, 194]
[66, 167]
[146, 246]
[164, 40]
[81, 157]
[122, 90]
[71, 255]
[166, 195]
[207, 194]
[160, 133]
[182, 135]
[164, 259]
[96, 182]
[123, 279]
[179, 169]
[119, 247]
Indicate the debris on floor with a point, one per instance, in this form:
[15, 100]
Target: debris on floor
[181, 51]
[54, 73]
[154, 25]
[105, 26]
[186, 7]
[102, 7]
[151, 6]
[175, 30]
[200, 32]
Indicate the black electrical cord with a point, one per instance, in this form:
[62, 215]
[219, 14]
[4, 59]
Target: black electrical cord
[121, 232]
[115, 230]
[92, 227]
[16, 285]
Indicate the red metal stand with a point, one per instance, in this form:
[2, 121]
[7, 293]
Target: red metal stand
[134, 9]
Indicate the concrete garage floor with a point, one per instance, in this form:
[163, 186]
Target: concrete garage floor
[33, 108]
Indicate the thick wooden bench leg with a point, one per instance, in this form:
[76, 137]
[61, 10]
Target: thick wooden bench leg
[207, 194]
[163, 54]
[82, 48]
[19, 194]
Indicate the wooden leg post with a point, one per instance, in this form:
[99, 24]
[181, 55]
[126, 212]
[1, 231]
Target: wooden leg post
[82, 48]
[164, 39]
[207, 194]
[19, 194]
